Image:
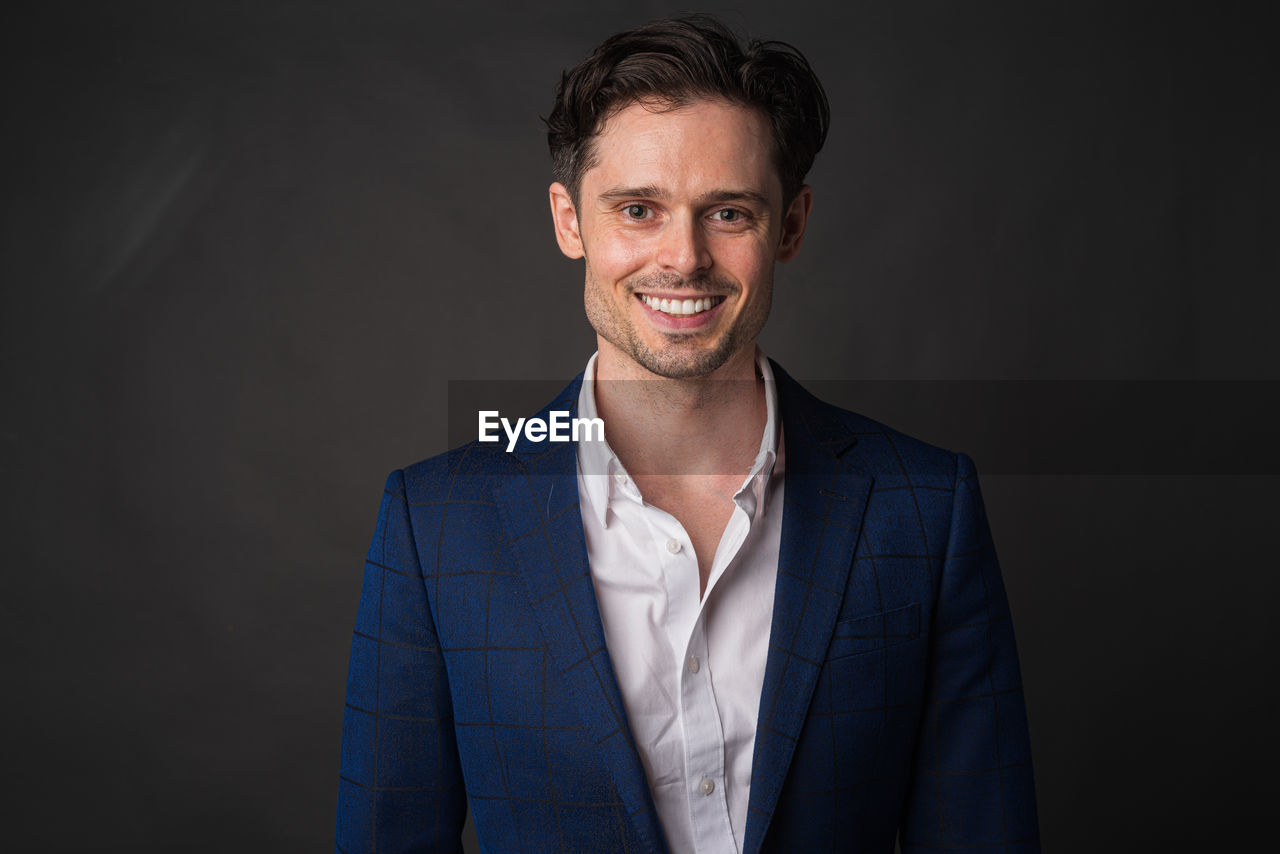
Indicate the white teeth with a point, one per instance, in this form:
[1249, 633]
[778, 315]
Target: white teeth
[681, 308]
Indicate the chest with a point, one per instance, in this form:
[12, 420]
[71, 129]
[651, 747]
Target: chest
[702, 504]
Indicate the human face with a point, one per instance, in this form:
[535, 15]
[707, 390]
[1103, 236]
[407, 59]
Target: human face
[680, 221]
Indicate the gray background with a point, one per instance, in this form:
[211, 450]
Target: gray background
[246, 246]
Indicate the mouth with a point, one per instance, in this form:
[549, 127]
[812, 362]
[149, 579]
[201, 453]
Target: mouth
[676, 307]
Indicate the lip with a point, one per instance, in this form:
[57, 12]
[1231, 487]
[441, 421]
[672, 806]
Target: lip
[667, 321]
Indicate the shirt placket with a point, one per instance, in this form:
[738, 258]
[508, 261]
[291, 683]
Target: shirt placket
[704, 749]
[703, 735]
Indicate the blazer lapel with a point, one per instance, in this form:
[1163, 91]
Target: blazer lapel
[540, 514]
[825, 498]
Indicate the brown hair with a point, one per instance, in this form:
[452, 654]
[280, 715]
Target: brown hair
[675, 61]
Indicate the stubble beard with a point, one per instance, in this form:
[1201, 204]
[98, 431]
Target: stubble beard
[683, 357]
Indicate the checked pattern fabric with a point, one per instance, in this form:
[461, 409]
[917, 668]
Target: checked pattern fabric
[892, 706]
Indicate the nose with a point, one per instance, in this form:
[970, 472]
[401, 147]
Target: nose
[683, 247]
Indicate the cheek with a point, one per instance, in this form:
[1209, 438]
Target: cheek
[615, 258]
[750, 263]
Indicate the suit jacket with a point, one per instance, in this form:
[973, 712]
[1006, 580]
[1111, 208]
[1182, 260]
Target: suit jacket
[891, 701]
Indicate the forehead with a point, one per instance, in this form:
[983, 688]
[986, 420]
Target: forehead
[701, 145]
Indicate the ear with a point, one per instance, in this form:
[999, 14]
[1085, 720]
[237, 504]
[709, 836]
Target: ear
[565, 218]
[793, 222]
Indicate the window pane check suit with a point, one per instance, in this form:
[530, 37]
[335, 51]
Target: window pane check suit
[892, 699]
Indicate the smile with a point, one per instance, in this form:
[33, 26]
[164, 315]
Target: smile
[681, 308]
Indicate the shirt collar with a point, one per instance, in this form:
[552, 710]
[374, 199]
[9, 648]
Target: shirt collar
[599, 467]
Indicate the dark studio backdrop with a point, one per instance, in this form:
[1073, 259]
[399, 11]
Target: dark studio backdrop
[246, 246]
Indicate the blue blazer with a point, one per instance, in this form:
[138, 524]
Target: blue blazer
[892, 699]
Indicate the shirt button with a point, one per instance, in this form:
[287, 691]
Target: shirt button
[693, 664]
[707, 786]
[673, 546]
[620, 478]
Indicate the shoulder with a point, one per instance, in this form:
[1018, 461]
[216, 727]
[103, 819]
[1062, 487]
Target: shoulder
[446, 504]
[461, 474]
[890, 456]
[467, 472]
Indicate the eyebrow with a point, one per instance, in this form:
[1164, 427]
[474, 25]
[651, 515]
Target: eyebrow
[711, 197]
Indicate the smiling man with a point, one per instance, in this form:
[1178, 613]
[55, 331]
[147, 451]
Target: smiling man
[747, 620]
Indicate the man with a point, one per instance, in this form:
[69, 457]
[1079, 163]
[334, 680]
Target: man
[748, 621]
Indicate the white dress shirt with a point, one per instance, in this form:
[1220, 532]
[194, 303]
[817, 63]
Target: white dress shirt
[690, 667]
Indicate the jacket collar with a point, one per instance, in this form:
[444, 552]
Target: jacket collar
[826, 494]
[538, 504]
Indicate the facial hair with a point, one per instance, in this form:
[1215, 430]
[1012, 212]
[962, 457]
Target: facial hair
[684, 355]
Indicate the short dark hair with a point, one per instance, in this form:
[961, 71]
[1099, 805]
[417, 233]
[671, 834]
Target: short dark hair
[678, 60]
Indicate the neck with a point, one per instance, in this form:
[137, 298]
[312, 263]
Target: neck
[705, 425]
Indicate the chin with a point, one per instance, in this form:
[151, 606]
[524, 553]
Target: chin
[684, 364]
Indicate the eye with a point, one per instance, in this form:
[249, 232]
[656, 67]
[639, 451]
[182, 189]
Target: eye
[636, 211]
[729, 215]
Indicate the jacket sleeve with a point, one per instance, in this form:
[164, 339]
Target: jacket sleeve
[400, 788]
[972, 787]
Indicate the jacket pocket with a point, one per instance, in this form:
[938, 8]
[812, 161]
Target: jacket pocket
[875, 631]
